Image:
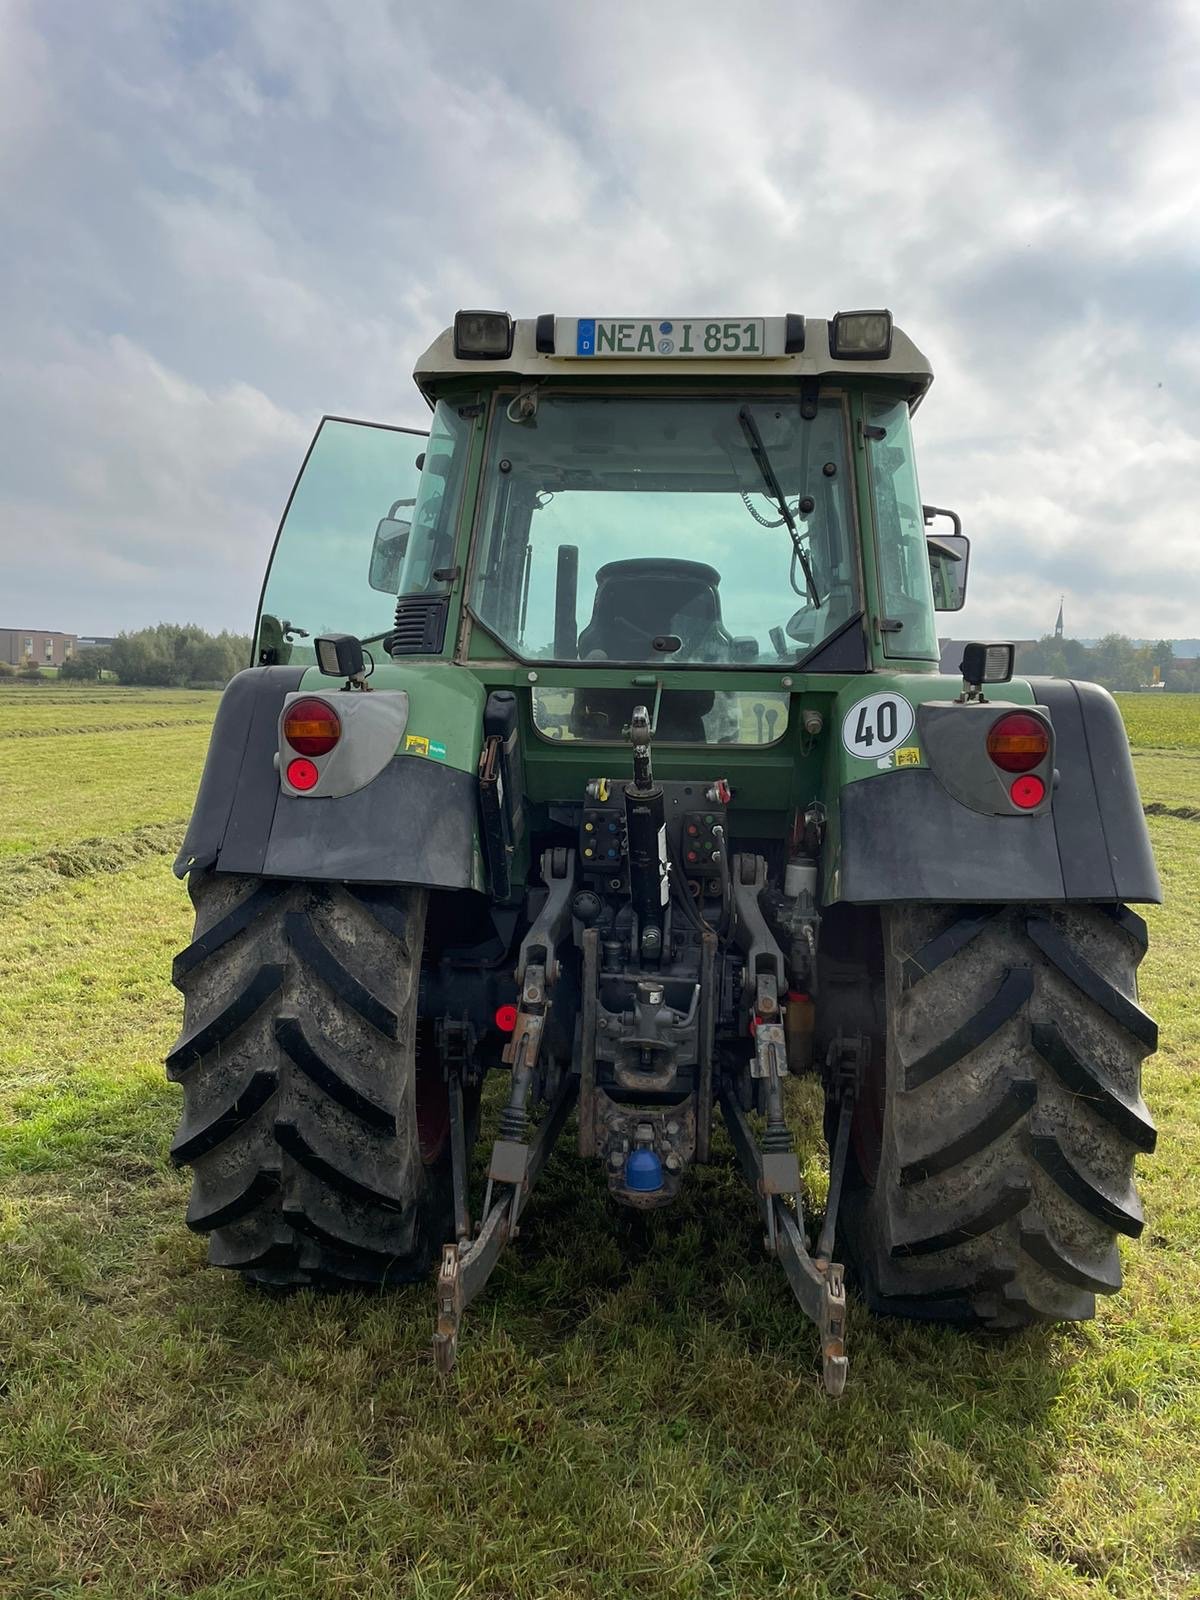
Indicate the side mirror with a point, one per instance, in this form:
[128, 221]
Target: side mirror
[387, 553]
[949, 558]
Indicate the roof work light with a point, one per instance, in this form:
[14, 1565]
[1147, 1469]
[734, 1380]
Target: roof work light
[861, 336]
[483, 335]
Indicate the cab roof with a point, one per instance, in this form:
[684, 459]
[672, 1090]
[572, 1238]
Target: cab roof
[556, 347]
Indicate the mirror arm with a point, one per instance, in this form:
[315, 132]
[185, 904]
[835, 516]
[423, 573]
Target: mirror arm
[930, 512]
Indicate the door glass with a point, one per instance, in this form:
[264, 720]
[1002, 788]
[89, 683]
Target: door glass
[319, 580]
[907, 593]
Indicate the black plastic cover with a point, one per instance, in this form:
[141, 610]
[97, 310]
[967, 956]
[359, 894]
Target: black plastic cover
[500, 714]
[1101, 825]
[414, 823]
[239, 785]
[845, 650]
[903, 837]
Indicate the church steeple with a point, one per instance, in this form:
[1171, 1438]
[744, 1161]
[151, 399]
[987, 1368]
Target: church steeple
[1058, 626]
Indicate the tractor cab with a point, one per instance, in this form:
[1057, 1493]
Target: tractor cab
[665, 493]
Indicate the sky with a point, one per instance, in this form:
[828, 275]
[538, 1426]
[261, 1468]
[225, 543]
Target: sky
[219, 221]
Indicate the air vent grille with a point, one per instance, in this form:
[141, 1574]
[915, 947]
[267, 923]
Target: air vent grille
[420, 625]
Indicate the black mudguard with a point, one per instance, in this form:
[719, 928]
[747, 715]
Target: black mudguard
[905, 838]
[414, 823]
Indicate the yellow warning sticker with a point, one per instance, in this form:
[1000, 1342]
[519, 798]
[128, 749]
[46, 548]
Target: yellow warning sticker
[415, 744]
[909, 756]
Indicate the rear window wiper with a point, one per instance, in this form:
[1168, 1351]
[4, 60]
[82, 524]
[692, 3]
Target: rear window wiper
[763, 461]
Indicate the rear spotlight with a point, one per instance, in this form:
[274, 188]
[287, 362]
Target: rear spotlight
[987, 663]
[302, 774]
[1027, 792]
[483, 336]
[861, 336]
[339, 655]
[506, 1018]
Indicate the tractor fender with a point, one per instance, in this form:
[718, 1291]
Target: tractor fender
[902, 836]
[415, 823]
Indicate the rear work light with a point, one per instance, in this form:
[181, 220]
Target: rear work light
[311, 727]
[482, 335]
[861, 336]
[1018, 742]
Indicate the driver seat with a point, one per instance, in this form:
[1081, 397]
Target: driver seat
[636, 602]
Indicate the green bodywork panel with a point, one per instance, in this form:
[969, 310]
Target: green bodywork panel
[445, 707]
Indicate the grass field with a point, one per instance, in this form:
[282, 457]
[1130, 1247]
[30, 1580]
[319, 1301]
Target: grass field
[634, 1411]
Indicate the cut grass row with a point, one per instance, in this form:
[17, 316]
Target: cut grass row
[54, 792]
[634, 1412]
[1161, 721]
[40, 712]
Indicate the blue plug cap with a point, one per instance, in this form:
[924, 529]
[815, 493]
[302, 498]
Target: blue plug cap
[643, 1171]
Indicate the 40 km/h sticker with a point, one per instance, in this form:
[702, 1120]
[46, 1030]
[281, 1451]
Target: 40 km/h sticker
[876, 725]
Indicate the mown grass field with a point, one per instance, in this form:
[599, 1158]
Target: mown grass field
[634, 1411]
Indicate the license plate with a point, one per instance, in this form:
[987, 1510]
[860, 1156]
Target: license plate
[669, 338]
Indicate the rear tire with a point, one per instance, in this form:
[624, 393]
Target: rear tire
[306, 1103]
[995, 1143]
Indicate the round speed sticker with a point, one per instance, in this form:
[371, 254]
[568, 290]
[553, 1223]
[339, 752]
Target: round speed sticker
[876, 725]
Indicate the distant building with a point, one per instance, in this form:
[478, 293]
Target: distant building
[22, 646]
[92, 642]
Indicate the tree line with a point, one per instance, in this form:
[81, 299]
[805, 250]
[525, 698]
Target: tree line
[174, 656]
[170, 656]
[1115, 661]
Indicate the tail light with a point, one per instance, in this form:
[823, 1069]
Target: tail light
[1027, 792]
[302, 774]
[311, 727]
[1018, 742]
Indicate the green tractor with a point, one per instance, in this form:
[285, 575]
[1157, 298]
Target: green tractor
[598, 735]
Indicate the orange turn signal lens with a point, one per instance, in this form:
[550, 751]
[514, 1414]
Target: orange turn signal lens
[1018, 742]
[311, 727]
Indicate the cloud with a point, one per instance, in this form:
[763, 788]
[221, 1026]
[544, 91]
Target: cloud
[227, 219]
[136, 494]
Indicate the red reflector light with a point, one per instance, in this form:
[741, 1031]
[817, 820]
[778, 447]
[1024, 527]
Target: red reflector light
[311, 727]
[506, 1018]
[301, 774]
[1027, 792]
[1017, 742]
